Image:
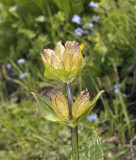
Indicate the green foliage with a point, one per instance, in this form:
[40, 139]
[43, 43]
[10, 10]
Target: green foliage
[96, 150]
[25, 135]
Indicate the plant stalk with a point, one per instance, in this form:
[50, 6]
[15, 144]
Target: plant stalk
[74, 130]
[74, 136]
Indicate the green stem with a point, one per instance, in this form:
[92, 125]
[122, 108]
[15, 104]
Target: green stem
[69, 99]
[74, 136]
[74, 130]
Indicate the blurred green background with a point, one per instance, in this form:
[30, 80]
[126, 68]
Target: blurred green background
[106, 33]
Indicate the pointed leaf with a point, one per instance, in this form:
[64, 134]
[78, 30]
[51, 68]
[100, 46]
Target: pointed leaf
[45, 108]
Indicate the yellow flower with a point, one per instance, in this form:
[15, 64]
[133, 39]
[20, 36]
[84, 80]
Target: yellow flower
[66, 60]
[81, 104]
[54, 26]
[59, 104]
[82, 46]
[52, 59]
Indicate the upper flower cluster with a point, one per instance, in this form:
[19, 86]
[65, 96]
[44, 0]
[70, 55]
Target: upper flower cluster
[64, 59]
[67, 58]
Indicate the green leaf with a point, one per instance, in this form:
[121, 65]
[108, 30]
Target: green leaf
[45, 108]
[96, 151]
[64, 6]
[85, 113]
[61, 74]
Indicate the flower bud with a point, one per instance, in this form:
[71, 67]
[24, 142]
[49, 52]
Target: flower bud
[52, 59]
[66, 60]
[59, 50]
[81, 104]
[59, 104]
[72, 55]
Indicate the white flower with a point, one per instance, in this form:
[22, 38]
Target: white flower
[21, 61]
[93, 5]
[40, 18]
[76, 19]
[13, 9]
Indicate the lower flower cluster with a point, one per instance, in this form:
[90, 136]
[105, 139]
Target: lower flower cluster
[60, 104]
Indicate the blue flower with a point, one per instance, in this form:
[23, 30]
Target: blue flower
[92, 117]
[76, 19]
[89, 25]
[85, 32]
[106, 5]
[23, 75]
[94, 32]
[93, 5]
[116, 88]
[9, 66]
[21, 61]
[79, 31]
[95, 18]
[124, 95]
